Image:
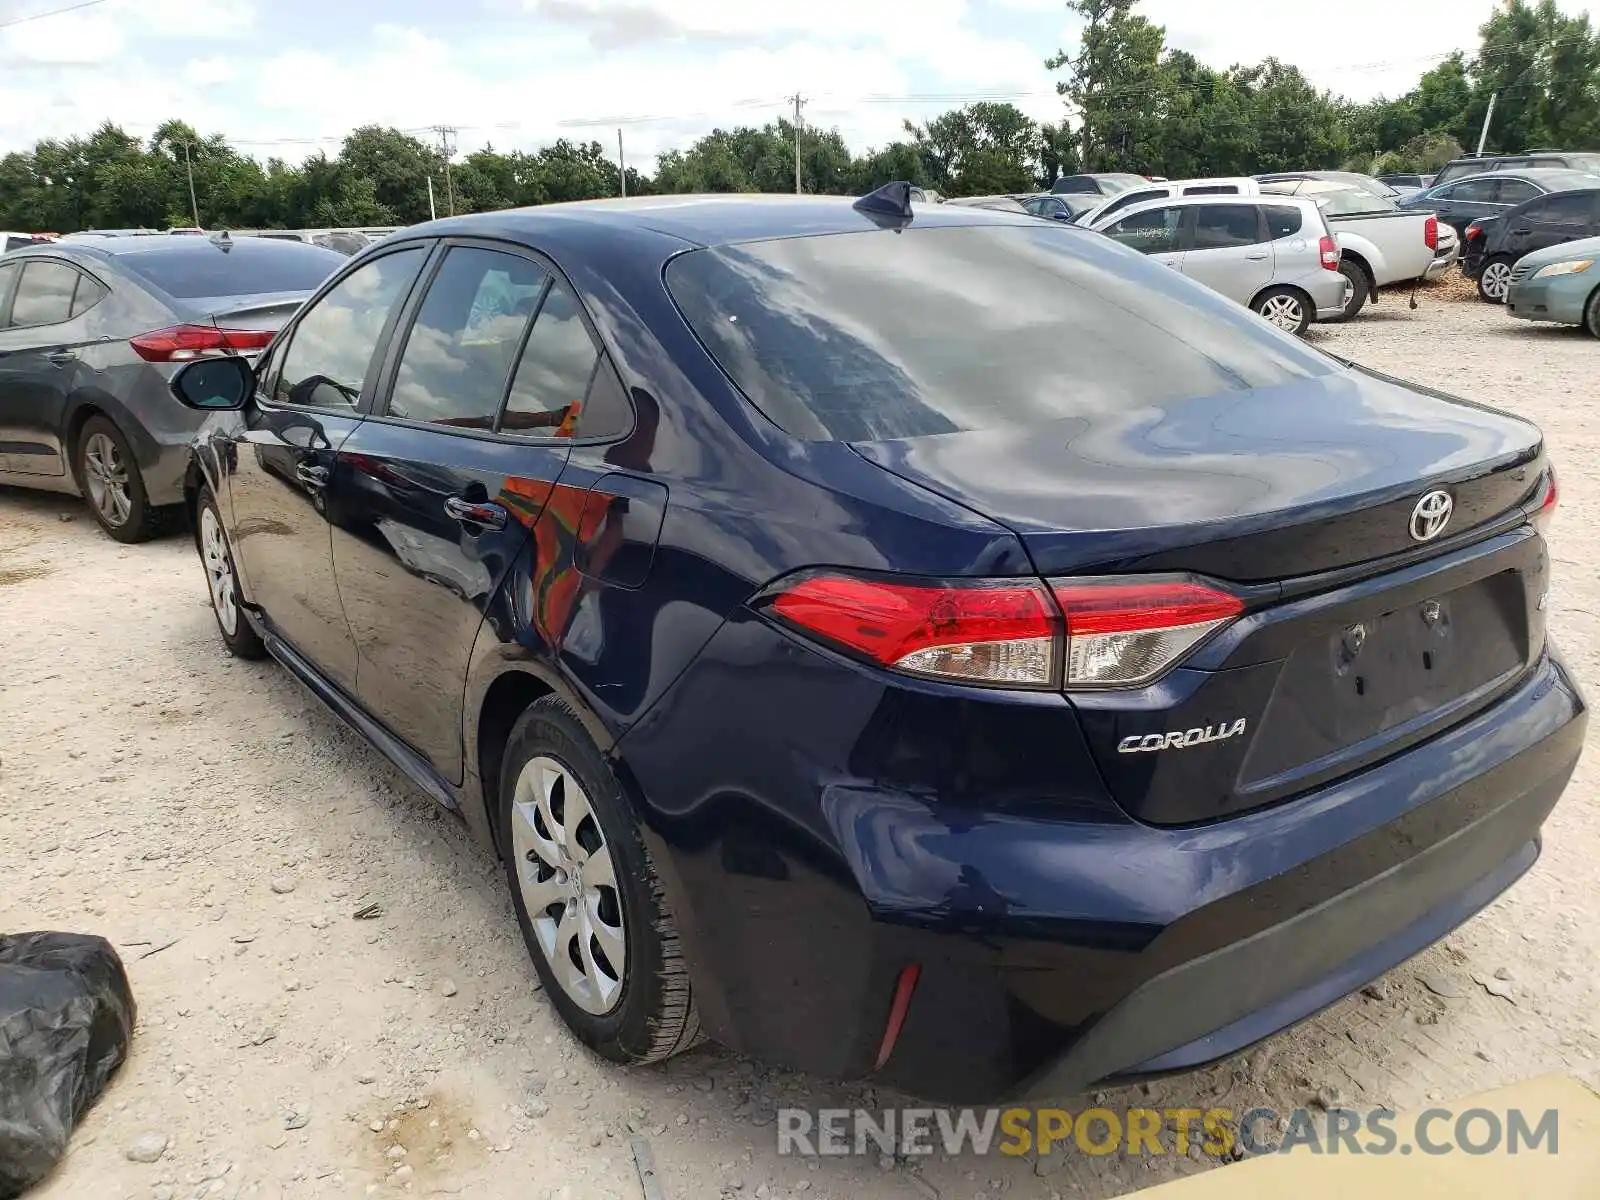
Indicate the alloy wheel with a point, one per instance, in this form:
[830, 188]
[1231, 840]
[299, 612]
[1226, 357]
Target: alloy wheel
[568, 881]
[1496, 280]
[1284, 312]
[106, 476]
[219, 570]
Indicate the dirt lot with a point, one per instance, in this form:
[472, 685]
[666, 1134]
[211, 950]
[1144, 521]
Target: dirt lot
[221, 828]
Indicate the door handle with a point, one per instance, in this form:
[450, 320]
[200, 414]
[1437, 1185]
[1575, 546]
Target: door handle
[489, 516]
[60, 358]
[311, 476]
[1524, 231]
[1255, 257]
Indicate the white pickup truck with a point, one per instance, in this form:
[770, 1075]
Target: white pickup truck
[1379, 243]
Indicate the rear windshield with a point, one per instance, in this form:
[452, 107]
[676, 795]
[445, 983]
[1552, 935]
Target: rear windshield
[865, 336]
[252, 266]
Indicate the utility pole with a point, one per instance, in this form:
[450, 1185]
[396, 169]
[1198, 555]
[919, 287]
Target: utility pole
[194, 205]
[1483, 134]
[622, 166]
[798, 102]
[433, 213]
[446, 132]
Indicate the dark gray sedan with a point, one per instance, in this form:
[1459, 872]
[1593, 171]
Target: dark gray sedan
[1460, 202]
[91, 330]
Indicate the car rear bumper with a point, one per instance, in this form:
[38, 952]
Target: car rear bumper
[819, 838]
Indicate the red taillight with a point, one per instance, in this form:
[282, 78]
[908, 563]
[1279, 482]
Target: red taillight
[1009, 633]
[1122, 634]
[1551, 496]
[1330, 253]
[1473, 233]
[182, 342]
[1430, 232]
[998, 632]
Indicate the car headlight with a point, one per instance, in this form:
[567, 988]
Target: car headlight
[1566, 268]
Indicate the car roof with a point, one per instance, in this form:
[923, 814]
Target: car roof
[713, 220]
[1536, 174]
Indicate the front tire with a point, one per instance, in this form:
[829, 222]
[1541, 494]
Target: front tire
[110, 481]
[222, 581]
[1494, 281]
[1285, 307]
[592, 909]
[1591, 314]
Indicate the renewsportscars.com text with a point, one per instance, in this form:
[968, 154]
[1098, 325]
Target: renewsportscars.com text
[1220, 1132]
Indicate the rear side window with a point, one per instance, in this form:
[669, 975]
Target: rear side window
[459, 352]
[1223, 226]
[89, 293]
[874, 335]
[1212, 189]
[557, 373]
[331, 349]
[1154, 231]
[1568, 208]
[1516, 191]
[1513, 164]
[1282, 220]
[189, 268]
[44, 295]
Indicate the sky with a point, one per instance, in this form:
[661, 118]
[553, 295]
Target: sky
[288, 77]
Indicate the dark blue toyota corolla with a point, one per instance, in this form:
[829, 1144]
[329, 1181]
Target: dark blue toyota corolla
[930, 644]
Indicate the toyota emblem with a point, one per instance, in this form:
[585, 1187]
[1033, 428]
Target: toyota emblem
[1431, 515]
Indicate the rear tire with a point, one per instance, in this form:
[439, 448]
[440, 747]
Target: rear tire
[1287, 308]
[592, 909]
[222, 580]
[1494, 280]
[1359, 289]
[109, 479]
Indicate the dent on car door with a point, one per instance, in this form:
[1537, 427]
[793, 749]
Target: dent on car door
[433, 499]
[284, 460]
[39, 368]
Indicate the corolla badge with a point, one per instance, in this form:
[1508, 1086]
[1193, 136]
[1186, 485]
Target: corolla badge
[1431, 515]
[1179, 739]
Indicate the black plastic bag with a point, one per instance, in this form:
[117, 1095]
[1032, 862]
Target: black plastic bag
[66, 1016]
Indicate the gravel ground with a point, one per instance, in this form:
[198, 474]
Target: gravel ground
[221, 828]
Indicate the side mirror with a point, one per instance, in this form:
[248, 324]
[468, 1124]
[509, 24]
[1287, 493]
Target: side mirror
[214, 384]
[1064, 217]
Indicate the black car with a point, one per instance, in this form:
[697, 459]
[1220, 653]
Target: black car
[916, 642]
[1105, 183]
[1461, 203]
[1492, 246]
[1066, 207]
[1460, 168]
[91, 328]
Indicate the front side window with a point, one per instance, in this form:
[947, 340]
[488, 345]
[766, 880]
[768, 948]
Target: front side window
[1476, 191]
[44, 294]
[331, 349]
[1224, 226]
[876, 335]
[8, 276]
[458, 354]
[1154, 231]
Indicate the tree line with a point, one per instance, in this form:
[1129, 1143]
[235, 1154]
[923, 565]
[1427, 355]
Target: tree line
[1134, 104]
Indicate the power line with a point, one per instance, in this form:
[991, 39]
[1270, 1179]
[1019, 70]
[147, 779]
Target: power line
[54, 12]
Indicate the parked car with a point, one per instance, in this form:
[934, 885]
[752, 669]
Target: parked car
[1279, 260]
[1461, 203]
[1560, 284]
[1040, 707]
[15, 241]
[1106, 183]
[1406, 183]
[1460, 168]
[1067, 207]
[1497, 245]
[1379, 243]
[1348, 178]
[90, 331]
[1233, 186]
[999, 203]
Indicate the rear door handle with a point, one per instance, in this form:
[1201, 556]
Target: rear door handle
[488, 516]
[311, 476]
[60, 358]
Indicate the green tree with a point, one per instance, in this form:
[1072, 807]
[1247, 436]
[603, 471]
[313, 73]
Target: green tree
[980, 149]
[1113, 84]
